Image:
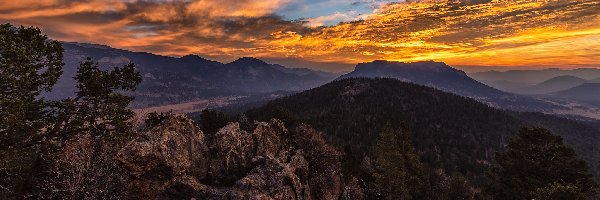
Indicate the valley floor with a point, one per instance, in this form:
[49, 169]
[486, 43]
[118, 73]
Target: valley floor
[187, 107]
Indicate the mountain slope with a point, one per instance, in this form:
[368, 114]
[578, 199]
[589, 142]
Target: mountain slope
[254, 75]
[504, 85]
[169, 80]
[551, 85]
[585, 93]
[596, 80]
[450, 132]
[446, 78]
[304, 71]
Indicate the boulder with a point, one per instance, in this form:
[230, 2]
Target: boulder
[175, 160]
[174, 148]
[234, 150]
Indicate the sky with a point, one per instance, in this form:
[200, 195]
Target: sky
[331, 35]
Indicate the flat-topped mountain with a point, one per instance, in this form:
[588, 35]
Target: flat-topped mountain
[443, 77]
[429, 73]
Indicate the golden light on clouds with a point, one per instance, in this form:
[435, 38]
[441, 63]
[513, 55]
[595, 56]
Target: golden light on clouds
[459, 32]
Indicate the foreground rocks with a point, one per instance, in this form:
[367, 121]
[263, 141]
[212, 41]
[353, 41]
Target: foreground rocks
[175, 160]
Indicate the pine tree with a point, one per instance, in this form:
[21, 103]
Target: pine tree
[153, 119]
[398, 172]
[449, 187]
[211, 121]
[29, 65]
[537, 165]
[34, 132]
[98, 107]
[99, 111]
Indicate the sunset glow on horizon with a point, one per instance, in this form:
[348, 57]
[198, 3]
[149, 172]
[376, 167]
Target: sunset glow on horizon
[554, 33]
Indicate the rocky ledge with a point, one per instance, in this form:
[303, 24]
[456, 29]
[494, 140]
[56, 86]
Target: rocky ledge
[175, 160]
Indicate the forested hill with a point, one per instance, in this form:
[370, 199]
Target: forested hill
[451, 132]
[446, 78]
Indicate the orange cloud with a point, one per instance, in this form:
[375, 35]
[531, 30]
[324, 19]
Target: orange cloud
[234, 8]
[460, 32]
[463, 33]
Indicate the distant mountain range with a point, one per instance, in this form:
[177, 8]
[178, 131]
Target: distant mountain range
[551, 85]
[168, 80]
[532, 77]
[585, 93]
[579, 86]
[596, 80]
[446, 78]
[563, 86]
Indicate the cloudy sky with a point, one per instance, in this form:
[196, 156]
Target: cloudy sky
[331, 34]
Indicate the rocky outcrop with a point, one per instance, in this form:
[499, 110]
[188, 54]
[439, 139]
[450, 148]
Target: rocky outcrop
[235, 151]
[167, 153]
[175, 160]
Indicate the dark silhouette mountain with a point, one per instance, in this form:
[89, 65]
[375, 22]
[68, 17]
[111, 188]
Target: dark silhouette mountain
[248, 62]
[551, 85]
[585, 93]
[304, 71]
[532, 77]
[169, 80]
[254, 75]
[446, 78]
[450, 132]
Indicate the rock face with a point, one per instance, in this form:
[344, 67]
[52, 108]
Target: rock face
[170, 152]
[175, 160]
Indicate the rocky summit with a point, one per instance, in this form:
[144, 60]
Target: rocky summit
[175, 160]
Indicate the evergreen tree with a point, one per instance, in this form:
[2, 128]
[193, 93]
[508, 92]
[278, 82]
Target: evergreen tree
[34, 132]
[99, 107]
[29, 65]
[98, 111]
[211, 121]
[398, 172]
[155, 118]
[449, 187]
[537, 165]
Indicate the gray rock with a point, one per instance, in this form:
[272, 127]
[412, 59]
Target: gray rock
[175, 160]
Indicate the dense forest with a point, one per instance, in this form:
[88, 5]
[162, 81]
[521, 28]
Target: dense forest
[451, 133]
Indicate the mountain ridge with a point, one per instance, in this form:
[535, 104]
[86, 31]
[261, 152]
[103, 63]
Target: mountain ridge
[584, 93]
[446, 78]
[168, 80]
[554, 84]
[534, 76]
